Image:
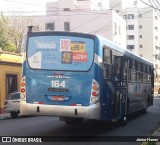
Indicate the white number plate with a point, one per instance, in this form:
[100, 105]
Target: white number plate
[57, 84]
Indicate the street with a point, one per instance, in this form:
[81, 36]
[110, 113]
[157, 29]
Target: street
[137, 125]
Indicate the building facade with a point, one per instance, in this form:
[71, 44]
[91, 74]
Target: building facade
[143, 35]
[86, 16]
[10, 75]
[142, 32]
[79, 16]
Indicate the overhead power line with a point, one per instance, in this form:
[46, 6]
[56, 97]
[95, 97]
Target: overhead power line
[94, 18]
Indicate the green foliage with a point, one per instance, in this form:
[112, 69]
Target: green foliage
[11, 47]
[3, 32]
[148, 143]
[7, 42]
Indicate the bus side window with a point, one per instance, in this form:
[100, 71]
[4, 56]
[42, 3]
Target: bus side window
[125, 67]
[107, 63]
[130, 67]
[133, 73]
[148, 74]
[117, 63]
[139, 72]
[107, 55]
[144, 73]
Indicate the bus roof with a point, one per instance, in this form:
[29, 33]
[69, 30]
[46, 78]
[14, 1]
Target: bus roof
[100, 38]
[124, 51]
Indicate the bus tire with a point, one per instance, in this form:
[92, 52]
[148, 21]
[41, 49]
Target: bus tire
[122, 121]
[147, 103]
[74, 121]
[14, 115]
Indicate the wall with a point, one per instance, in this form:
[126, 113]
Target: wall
[9, 64]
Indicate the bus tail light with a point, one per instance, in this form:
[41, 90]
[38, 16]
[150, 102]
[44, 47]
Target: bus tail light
[94, 93]
[23, 88]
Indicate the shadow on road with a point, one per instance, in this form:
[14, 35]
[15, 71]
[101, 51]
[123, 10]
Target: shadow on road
[88, 127]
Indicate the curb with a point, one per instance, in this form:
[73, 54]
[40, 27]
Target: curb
[4, 116]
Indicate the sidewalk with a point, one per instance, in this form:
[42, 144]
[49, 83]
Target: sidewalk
[157, 133]
[4, 116]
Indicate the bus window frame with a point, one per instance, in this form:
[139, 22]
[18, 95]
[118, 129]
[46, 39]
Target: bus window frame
[110, 50]
[107, 66]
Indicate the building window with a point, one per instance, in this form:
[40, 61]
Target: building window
[156, 47]
[66, 26]
[66, 9]
[140, 26]
[50, 26]
[140, 36]
[156, 28]
[130, 37]
[135, 3]
[130, 16]
[119, 30]
[156, 17]
[115, 29]
[130, 46]
[11, 83]
[125, 17]
[140, 46]
[140, 15]
[117, 11]
[130, 27]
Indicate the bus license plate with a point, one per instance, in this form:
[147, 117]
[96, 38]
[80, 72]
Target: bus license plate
[57, 98]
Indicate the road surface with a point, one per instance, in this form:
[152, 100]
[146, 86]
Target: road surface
[137, 125]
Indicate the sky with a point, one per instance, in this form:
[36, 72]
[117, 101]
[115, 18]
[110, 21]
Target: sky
[30, 7]
[8, 6]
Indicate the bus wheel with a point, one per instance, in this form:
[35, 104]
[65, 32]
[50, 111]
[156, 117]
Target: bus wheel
[14, 115]
[146, 107]
[122, 121]
[74, 121]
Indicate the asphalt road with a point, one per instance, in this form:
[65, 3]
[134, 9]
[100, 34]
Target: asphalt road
[137, 125]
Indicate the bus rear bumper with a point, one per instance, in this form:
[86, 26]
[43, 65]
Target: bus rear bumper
[87, 112]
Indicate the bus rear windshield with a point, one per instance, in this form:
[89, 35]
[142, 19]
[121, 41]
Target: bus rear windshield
[60, 53]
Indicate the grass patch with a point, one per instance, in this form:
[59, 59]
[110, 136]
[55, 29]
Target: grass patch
[148, 143]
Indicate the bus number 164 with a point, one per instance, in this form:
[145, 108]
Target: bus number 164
[57, 84]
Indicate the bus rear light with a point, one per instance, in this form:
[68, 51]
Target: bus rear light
[94, 99]
[38, 102]
[22, 84]
[22, 96]
[23, 90]
[73, 105]
[95, 87]
[94, 93]
[76, 104]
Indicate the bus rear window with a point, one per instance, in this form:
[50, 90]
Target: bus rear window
[60, 53]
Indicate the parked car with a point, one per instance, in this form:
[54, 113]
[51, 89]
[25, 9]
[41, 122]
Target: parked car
[12, 104]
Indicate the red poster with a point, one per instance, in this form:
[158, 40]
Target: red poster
[80, 56]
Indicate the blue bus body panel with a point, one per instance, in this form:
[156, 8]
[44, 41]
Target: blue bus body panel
[60, 69]
[77, 88]
[106, 93]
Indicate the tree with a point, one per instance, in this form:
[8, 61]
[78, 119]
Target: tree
[18, 28]
[5, 43]
[3, 32]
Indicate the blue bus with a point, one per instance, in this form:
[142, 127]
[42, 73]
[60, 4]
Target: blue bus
[78, 76]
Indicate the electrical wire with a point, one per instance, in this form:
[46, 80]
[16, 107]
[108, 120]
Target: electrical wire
[157, 11]
[93, 18]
